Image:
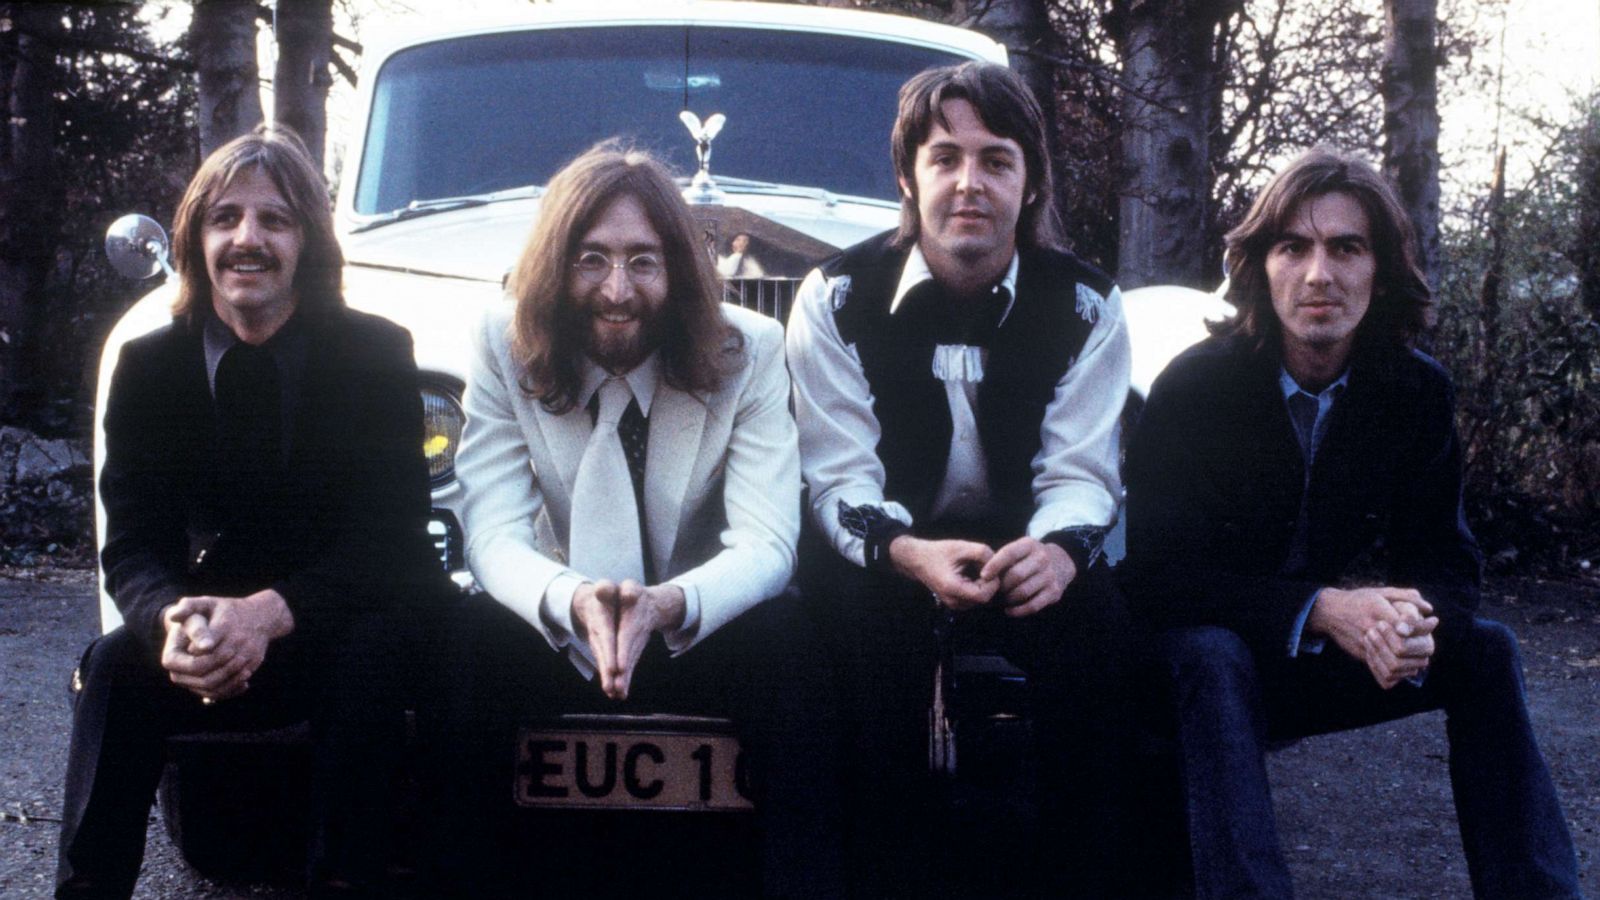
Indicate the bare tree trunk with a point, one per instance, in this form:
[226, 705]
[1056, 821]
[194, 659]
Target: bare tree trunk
[1411, 120]
[223, 37]
[1492, 292]
[1586, 244]
[28, 201]
[1023, 26]
[1169, 83]
[304, 30]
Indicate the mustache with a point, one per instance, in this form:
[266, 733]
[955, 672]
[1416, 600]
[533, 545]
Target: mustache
[249, 257]
[596, 306]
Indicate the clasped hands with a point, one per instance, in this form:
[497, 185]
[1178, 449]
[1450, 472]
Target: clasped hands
[1026, 575]
[617, 621]
[214, 644]
[1388, 628]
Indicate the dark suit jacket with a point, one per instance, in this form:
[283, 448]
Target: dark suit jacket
[1215, 478]
[345, 531]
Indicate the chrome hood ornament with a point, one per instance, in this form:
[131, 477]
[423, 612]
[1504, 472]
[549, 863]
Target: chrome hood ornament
[702, 190]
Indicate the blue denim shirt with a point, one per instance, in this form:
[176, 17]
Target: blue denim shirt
[1324, 400]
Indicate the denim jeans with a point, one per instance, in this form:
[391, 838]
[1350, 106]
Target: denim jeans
[1231, 703]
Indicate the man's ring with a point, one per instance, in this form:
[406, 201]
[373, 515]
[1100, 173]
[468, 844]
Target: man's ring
[207, 701]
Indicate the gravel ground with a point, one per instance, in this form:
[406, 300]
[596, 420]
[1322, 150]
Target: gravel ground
[1362, 814]
[1368, 813]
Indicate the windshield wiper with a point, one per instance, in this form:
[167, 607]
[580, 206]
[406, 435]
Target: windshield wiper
[752, 186]
[745, 182]
[416, 209]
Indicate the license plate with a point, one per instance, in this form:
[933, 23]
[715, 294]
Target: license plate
[632, 763]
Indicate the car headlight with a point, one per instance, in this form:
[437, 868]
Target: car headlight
[442, 419]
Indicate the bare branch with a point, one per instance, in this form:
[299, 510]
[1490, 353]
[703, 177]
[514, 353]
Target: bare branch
[66, 42]
[342, 67]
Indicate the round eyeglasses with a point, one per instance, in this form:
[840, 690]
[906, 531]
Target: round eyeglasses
[595, 267]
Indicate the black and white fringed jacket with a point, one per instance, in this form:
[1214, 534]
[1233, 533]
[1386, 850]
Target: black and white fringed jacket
[919, 414]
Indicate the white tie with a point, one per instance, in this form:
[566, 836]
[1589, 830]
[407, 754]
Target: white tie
[605, 515]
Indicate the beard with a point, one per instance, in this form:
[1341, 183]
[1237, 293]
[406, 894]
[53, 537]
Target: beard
[620, 347]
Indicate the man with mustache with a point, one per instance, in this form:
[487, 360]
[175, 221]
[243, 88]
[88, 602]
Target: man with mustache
[266, 499]
[958, 387]
[632, 493]
[1279, 467]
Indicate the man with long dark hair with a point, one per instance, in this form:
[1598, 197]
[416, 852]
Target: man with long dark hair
[1306, 436]
[631, 507]
[266, 498]
[958, 387]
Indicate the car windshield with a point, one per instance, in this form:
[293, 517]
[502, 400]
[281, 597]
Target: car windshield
[486, 113]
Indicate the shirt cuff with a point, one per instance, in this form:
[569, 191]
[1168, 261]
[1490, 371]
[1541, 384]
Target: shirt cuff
[1297, 643]
[556, 608]
[1083, 543]
[876, 529]
[682, 638]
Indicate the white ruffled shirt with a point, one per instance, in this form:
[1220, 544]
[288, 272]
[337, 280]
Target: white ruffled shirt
[1076, 472]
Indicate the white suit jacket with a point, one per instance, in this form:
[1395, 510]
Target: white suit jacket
[721, 483]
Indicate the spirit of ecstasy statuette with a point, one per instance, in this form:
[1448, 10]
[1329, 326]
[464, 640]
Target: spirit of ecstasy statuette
[702, 190]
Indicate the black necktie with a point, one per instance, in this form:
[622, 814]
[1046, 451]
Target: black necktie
[1303, 413]
[1303, 416]
[250, 412]
[634, 433]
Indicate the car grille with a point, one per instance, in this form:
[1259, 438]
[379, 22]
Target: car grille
[768, 296]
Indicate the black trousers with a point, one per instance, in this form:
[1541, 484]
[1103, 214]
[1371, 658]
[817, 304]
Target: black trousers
[1086, 705]
[352, 688]
[763, 670]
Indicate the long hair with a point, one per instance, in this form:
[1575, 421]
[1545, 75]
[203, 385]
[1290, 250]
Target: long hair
[1401, 298]
[699, 346]
[1007, 108]
[278, 152]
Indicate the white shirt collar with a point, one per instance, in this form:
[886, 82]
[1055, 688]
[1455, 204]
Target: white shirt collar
[641, 380]
[916, 272]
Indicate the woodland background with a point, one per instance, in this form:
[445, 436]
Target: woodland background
[1168, 114]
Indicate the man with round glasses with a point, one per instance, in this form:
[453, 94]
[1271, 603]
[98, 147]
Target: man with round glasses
[632, 488]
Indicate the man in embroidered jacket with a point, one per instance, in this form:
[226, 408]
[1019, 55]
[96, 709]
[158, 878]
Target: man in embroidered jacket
[958, 386]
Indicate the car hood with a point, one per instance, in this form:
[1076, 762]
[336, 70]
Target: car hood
[439, 311]
[482, 242]
[1163, 321]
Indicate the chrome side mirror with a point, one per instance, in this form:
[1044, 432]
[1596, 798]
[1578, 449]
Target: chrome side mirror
[137, 247]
